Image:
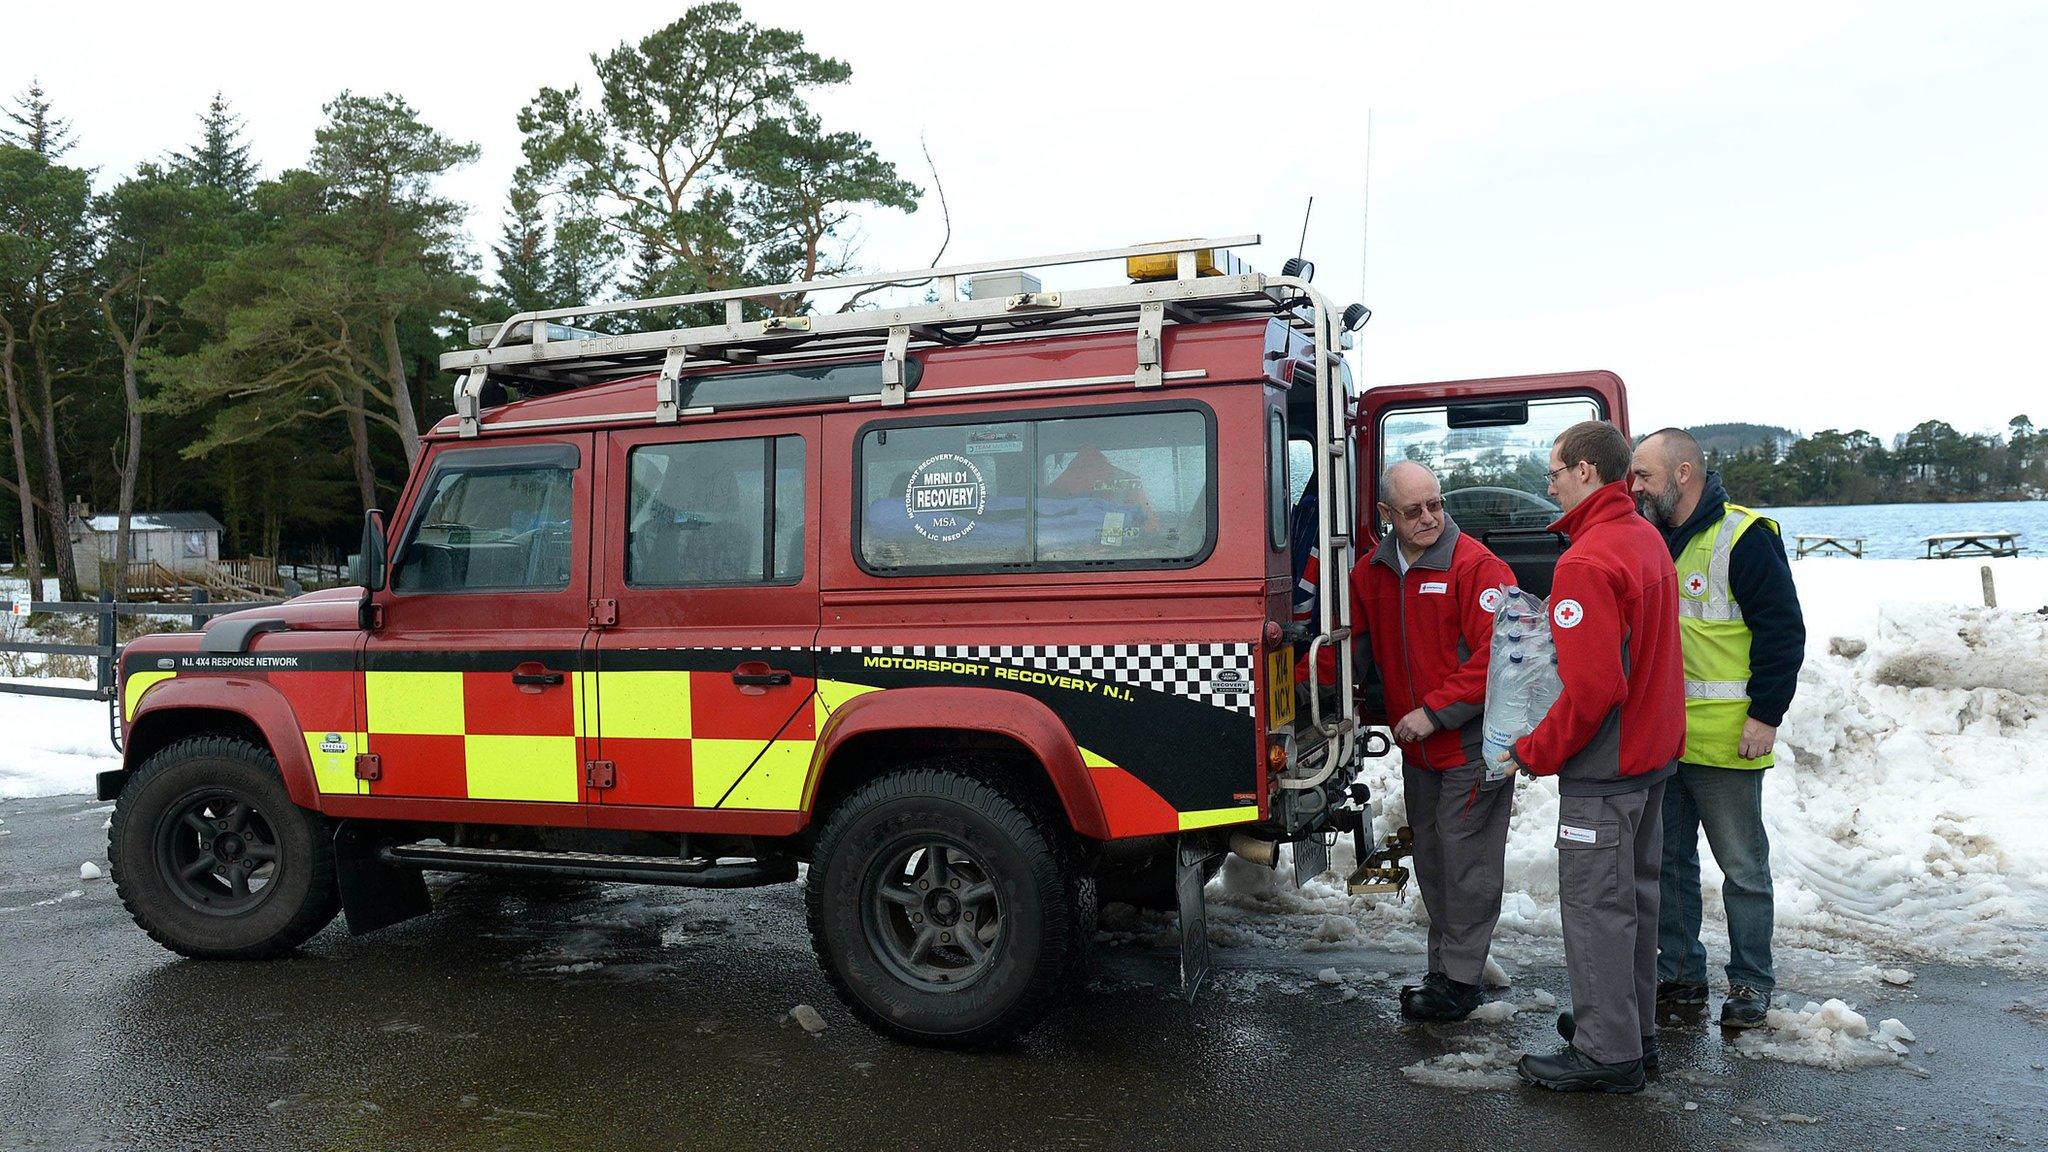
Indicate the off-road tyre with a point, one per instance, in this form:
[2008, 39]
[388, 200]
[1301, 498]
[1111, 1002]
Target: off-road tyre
[161, 856]
[1043, 902]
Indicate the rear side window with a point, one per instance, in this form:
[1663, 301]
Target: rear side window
[1128, 489]
[498, 525]
[716, 512]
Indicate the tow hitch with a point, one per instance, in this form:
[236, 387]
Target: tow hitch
[1379, 870]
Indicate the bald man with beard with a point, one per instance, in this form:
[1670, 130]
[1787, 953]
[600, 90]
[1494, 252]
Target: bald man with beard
[1744, 639]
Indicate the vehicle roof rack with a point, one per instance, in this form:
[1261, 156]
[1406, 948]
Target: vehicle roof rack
[1201, 282]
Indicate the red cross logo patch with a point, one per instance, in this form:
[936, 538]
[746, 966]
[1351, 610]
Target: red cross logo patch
[1567, 614]
[1696, 584]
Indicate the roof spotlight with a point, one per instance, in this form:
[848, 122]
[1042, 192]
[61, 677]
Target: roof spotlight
[1296, 266]
[1356, 316]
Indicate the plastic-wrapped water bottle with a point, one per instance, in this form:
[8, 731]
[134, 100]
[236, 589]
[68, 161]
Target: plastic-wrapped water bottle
[1544, 688]
[1507, 709]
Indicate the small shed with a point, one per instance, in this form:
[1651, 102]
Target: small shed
[181, 546]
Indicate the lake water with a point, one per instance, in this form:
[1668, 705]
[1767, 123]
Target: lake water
[1896, 530]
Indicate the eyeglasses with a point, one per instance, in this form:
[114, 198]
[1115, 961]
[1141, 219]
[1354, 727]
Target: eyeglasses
[1552, 474]
[1415, 511]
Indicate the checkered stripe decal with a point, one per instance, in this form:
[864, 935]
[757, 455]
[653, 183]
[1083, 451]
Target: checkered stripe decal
[1219, 675]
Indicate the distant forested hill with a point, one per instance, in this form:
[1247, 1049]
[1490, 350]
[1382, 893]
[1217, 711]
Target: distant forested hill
[1743, 439]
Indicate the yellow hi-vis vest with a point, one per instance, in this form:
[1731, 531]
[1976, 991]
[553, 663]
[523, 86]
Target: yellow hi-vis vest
[1716, 643]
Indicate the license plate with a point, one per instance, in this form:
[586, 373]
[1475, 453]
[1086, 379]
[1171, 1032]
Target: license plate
[1280, 688]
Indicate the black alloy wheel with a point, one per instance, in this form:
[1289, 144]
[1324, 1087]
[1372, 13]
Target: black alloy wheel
[934, 916]
[217, 853]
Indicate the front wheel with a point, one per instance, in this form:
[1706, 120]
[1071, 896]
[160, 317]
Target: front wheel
[213, 859]
[945, 911]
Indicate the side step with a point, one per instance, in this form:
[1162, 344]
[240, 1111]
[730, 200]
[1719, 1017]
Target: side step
[696, 872]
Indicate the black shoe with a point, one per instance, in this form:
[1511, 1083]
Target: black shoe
[1568, 1027]
[1448, 1000]
[1745, 1007]
[1681, 991]
[1433, 980]
[1570, 1070]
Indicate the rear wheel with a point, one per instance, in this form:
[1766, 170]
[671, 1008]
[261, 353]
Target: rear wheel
[213, 859]
[946, 910]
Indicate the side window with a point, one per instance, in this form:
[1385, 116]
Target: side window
[491, 528]
[1301, 468]
[716, 512]
[1493, 474]
[1117, 490]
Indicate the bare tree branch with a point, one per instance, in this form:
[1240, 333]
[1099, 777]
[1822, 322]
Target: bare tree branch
[945, 212]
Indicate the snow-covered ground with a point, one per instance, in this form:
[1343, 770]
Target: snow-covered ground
[1908, 812]
[52, 746]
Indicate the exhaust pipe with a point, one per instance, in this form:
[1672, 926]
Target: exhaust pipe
[1264, 853]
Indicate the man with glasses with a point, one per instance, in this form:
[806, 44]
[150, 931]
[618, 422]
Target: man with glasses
[1612, 739]
[1427, 597]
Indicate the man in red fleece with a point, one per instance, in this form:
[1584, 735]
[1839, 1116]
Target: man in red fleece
[1612, 740]
[1427, 596]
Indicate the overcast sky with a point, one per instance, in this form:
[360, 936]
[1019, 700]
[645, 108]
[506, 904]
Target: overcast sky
[1814, 214]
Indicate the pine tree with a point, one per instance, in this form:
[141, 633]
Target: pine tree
[522, 253]
[220, 159]
[651, 274]
[41, 133]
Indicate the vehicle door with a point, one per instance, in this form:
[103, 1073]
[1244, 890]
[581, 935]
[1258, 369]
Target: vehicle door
[1488, 441]
[705, 678]
[473, 679]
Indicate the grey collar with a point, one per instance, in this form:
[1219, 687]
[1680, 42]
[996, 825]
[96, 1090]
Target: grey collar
[1436, 557]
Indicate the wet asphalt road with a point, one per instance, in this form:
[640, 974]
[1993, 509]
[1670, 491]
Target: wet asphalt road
[475, 1028]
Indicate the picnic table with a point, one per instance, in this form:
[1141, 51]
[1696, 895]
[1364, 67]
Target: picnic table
[1951, 545]
[1810, 544]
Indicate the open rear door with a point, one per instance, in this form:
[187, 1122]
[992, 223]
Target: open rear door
[1488, 441]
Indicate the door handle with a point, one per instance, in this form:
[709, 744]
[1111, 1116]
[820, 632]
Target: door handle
[773, 678]
[537, 679]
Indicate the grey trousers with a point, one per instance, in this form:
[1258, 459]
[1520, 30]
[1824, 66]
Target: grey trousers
[1608, 852]
[1461, 843]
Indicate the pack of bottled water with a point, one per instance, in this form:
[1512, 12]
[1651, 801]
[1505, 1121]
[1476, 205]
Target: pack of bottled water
[1521, 677]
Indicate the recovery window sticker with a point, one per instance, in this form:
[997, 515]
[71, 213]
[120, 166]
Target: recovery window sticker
[945, 498]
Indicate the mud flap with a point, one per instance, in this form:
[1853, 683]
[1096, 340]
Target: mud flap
[374, 894]
[1311, 858]
[1188, 880]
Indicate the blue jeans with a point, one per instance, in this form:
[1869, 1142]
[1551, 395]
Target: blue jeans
[1728, 802]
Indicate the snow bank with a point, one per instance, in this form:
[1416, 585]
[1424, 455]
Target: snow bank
[1908, 808]
[53, 746]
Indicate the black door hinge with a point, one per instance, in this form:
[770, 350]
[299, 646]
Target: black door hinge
[604, 613]
[369, 766]
[600, 773]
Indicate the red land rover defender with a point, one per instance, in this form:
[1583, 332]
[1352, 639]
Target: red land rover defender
[984, 609]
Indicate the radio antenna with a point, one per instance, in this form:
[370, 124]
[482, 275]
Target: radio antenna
[1365, 212]
[1302, 245]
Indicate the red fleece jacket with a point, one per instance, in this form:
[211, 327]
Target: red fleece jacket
[1619, 722]
[1432, 638]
